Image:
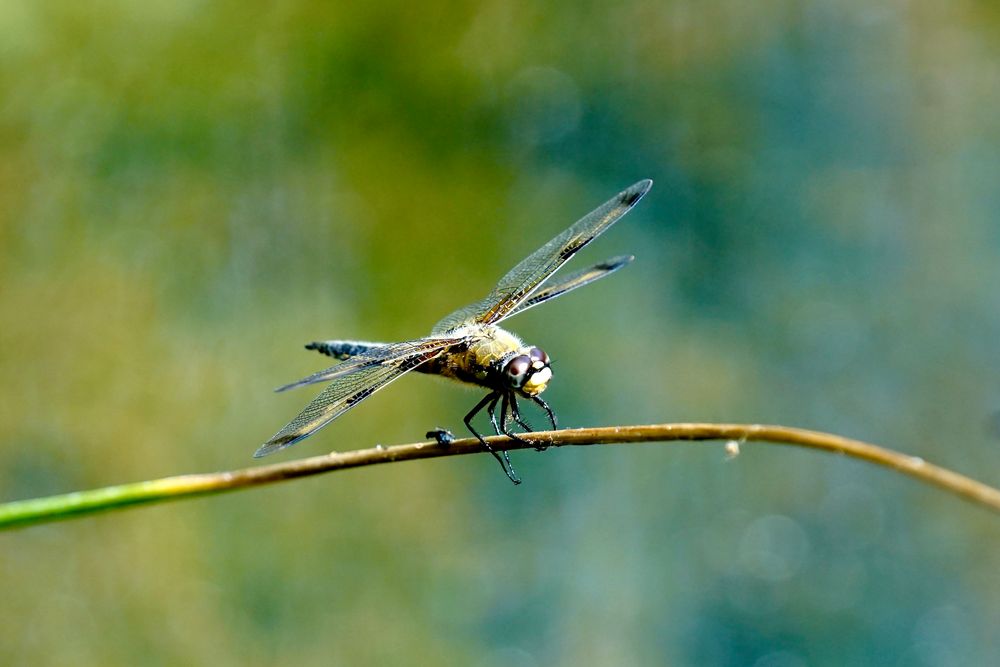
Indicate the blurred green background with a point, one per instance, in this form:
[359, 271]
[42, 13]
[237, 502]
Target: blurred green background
[189, 191]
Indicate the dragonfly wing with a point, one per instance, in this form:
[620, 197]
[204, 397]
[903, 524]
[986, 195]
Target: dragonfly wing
[349, 389]
[324, 375]
[521, 281]
[572, 281]
[466, 315]
[382, 354]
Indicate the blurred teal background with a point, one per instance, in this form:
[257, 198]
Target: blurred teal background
[189, 191]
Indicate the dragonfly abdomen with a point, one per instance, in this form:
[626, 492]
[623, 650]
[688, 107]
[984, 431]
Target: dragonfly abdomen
[342, 349]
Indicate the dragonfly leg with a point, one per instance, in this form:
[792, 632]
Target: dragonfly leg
[492, 410]
[548, 411]
[501, 428]
[516, 413]
[508, 400]
[491, 400]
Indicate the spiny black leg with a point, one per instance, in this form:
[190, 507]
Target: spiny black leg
[501, 429]
[548, 411]
[523, 424]
[504, 418]
[517, 414]
[492, 399]
[492, 410]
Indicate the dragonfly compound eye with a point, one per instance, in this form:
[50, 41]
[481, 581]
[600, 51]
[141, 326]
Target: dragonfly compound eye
[537, 354]
[517, 369]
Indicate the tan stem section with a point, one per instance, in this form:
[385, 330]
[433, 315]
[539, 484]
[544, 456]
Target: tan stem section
[40, 510]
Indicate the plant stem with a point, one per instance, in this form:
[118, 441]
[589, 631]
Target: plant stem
[23, 513]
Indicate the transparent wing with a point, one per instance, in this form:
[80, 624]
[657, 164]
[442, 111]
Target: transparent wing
[380, 355]
[343, 394]
[574, 280]
[349, 389]
[521, 281]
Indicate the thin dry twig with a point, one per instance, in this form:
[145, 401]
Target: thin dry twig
[40, 510]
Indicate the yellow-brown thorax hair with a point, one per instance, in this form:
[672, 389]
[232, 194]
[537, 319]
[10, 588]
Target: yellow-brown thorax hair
[480, 361]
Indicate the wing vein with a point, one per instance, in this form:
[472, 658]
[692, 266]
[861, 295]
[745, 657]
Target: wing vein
[521, 282]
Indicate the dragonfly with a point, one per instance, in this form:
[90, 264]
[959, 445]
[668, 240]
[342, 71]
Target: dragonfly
[467, 345]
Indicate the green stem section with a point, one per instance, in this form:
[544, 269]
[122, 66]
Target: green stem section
[23, 513]
[68, 505]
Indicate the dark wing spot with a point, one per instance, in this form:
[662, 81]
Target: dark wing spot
[573, 246]
[630, 198]
[634, 194]
[615, 263]
[360, 396]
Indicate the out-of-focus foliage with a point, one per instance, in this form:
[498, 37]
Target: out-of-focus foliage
[190, 190]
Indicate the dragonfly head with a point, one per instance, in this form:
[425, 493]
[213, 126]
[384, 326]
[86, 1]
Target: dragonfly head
[528, 371]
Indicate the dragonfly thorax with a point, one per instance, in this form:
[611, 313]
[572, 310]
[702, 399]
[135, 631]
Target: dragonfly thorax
[495, 358]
